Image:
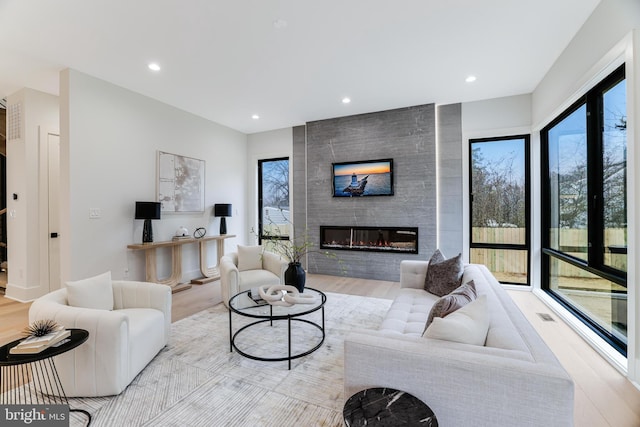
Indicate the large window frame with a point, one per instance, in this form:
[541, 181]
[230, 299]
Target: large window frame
[278, 235]
[526, 245]
[594, 263]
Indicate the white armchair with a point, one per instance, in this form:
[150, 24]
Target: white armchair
[248, 268]
[121, 341]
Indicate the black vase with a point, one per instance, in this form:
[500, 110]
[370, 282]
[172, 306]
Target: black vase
[295, 275]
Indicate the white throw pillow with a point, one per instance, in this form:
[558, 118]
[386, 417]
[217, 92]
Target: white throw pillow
[94, 292]
[467, 325]
[249, 258]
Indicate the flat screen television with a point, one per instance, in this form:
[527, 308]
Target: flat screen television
[363, 178]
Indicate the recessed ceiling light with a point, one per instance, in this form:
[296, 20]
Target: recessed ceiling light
[255, 117]
[346, 100]
[154, 66]
[470, 79]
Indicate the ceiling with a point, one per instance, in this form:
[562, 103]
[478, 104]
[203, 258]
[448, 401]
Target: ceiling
[289, 61]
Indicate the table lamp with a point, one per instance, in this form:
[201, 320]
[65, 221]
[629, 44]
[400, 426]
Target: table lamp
[147, 211]
[222, 210]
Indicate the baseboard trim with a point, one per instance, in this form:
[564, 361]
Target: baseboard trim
[20, 294]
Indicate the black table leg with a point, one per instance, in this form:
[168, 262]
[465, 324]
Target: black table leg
[84, 412]
[230, 334]
[289, 337]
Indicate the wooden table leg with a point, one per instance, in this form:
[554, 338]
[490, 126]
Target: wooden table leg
[210, 273]
[176, 269]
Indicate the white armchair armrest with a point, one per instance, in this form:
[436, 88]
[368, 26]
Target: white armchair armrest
[275, 264]
[131, 294]
[229, 278]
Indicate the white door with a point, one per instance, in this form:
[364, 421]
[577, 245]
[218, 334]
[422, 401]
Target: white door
[53, 144]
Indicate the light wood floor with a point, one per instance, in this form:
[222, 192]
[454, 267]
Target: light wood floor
[603, 397]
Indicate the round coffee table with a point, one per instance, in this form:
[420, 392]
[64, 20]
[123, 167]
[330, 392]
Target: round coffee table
[243, 305]
[387, 407]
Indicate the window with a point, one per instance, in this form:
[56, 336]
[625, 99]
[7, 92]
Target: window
[567, 152]
[500, 206]
[584, 209]
[273, 198]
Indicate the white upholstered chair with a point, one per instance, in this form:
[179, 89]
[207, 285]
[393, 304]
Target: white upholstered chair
[128, 324]
[248, 268]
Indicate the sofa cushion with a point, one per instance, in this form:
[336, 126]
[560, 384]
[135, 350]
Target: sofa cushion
[458, 298]
[249, 258]
[93, 292]
[468, 325]
[145, 337]
[255, 278]
[443, 275]
[408, 313]
[503, 333]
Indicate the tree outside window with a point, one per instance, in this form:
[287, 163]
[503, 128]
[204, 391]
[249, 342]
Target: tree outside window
[499, 206]
[273, 198]
[584, 209]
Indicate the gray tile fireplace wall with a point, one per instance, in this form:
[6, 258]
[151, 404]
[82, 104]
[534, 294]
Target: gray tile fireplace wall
[408, 136]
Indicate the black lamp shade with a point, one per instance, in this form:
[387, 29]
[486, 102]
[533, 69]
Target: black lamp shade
[222, 209]
[147, 210]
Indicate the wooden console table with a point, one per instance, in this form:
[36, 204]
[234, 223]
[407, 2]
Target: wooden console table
[210, 273]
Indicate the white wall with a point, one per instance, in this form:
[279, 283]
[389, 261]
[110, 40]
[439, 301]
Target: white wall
[608, 38]
[109, 142]
[590, 56]
[496, 117]
[27, 234]
[265, 145]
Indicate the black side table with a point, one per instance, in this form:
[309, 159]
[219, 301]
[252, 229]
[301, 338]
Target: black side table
[20, 369]
[386, 407]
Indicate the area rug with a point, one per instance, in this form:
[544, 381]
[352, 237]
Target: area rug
[197, 381]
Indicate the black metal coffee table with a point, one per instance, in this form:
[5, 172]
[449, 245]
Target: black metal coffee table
[243, 305]
[19, 369]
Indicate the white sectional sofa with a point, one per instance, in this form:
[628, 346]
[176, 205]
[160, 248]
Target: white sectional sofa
[513, 380]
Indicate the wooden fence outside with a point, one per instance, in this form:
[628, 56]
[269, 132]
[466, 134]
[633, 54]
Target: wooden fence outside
[572, 242]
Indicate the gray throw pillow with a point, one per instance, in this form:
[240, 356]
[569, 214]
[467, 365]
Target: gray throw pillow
[460, 297]
[437, 257]
[443, 276]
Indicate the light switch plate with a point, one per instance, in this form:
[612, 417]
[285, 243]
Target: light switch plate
[94, 213]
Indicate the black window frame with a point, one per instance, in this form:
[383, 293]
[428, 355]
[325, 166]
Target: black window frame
[260, 200]
[527, 172]
[595, 209]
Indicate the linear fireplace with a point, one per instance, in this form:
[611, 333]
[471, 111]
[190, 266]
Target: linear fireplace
[379, 239]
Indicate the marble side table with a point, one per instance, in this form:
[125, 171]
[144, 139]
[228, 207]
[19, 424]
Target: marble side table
[386, 407]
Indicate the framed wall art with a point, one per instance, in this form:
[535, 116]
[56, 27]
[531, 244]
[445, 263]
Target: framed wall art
[180, 183]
